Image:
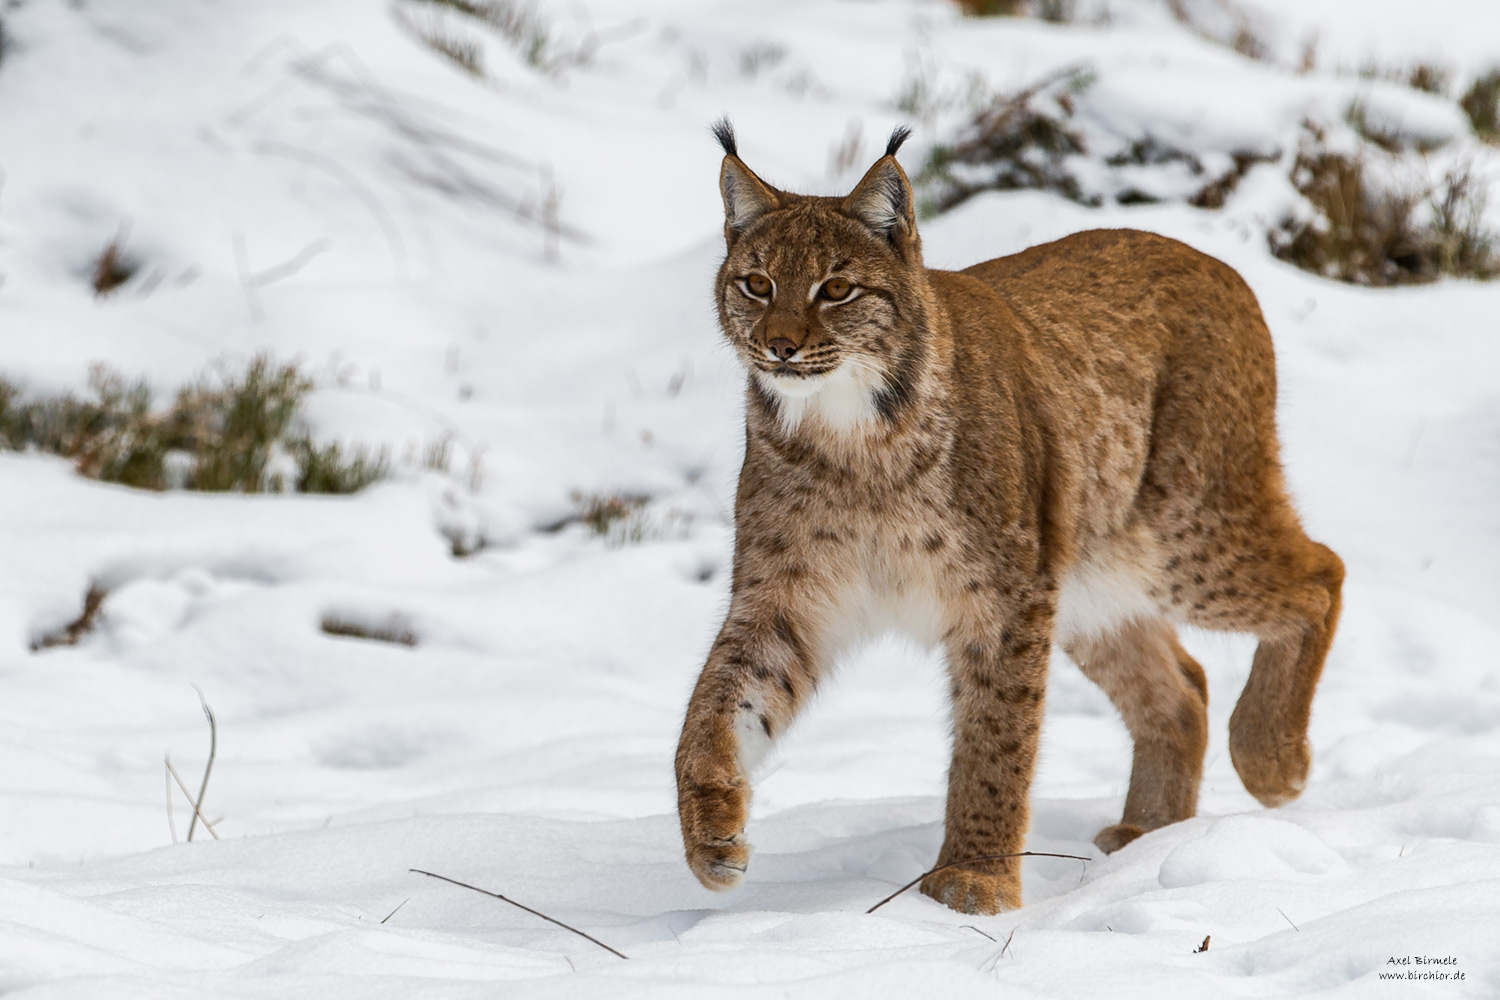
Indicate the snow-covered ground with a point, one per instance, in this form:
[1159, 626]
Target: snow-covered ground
[519, 263]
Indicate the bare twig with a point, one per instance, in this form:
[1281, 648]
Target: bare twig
[993, 962]
[967, 861]
[167, 777]
[976, 930]
[398, 906]
[1287, 919]
[189, 796]
[213, 749]
[512, 902]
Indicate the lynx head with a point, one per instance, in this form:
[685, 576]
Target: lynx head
[824, 299]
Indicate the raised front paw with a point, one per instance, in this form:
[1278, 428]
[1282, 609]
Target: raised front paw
[973, 892]
[1273, 768]
[713, 831]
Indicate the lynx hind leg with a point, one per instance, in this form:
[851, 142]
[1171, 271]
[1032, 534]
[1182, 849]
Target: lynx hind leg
[1162, 694]
[1286, 589]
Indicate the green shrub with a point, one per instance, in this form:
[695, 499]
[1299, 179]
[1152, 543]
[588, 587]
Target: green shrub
[332, 469]
[219, 434]
[1481, 103]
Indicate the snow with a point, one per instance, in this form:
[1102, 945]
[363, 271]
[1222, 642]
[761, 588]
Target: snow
[524, 743]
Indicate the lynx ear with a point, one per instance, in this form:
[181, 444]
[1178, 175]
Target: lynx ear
[882, 200]
[746, 196]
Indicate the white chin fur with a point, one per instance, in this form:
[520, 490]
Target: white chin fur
[799, 386]
[842, 400]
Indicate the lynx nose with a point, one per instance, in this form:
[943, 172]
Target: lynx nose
[782, 348]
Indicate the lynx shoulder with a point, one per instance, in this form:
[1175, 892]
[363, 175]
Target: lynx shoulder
[1075, 444]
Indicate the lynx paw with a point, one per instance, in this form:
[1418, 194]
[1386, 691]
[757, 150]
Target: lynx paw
[1274, 771]
[973, 892]
[713, 833]
[1112, 838]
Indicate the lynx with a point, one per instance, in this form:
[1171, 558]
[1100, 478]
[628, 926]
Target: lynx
[1074, 444]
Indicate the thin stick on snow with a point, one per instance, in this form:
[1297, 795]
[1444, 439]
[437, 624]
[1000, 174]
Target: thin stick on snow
[512, 902]
[967, 861]
[1287, 919]
[167, 777]
[189, 796]
[398, 906]
[213, 749]
[994, 960]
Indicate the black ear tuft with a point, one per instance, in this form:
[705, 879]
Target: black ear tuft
[724, 132]
[899, 134]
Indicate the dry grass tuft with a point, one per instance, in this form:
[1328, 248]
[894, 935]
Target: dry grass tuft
[993, 8]
[1217, 191]
[331, 468]
[1015, 142]
[1481, 103]
[622, 519]
[1053, 11]
[1056, 11]
[520, 25]
[1358, 119]
[601, 513]
[761, 56]
[112, 268]
[230, 428]
[75, 630]
[1242, 36]
[1028, 140]
[223, 434]
[1248, 44]
[463, 51]
[394, 629]
[1429, 78]
[1367, 234]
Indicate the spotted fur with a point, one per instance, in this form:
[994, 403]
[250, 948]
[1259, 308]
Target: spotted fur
[1074, 444]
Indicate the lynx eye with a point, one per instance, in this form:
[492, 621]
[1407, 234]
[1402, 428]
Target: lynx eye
[836, 290]
[758, 285]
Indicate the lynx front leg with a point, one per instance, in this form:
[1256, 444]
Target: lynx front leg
[759, 671]
[999, 677]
